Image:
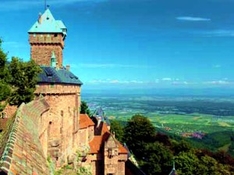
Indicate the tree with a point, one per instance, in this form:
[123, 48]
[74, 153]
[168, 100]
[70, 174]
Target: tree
[117, 128]
[84, 108]
[157, 159]
[4, 73]
[187, 163]
[138, 132]
[182, 146]
[209, 165]
[24, 84]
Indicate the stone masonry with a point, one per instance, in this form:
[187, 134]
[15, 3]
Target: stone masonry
[59, 126]
[42, 45]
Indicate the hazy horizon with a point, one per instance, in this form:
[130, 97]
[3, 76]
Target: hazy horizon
[203, 92]
[128, 44]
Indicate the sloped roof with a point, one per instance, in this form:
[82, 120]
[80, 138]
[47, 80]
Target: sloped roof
[52, 75]
[23, 151]
[85, 121]
[47, 24]
[98, 141]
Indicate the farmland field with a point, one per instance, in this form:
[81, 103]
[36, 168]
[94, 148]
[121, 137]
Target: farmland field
[208, 120]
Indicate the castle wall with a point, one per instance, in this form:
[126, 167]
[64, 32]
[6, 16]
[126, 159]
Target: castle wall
[114, 161]
[42, 46]
[9, 110]
[83, 134]
[59, 127]
[86, 135]
[90, 133]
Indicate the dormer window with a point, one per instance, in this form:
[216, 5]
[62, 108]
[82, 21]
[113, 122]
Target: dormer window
[111, 152]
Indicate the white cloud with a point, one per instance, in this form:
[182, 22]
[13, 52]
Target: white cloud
[115, 81]
[219, 82]
[189, 18]
[166, 79]
[216, 33]
[180, 83]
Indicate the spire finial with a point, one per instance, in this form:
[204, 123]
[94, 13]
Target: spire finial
[45, 5]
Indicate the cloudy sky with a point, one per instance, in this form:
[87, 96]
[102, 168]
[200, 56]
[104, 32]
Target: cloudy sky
[134, 43]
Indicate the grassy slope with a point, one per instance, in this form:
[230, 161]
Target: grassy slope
[218, 132]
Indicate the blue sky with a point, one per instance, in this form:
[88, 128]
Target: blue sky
[134, 43]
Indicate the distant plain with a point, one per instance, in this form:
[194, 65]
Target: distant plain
[206, 120]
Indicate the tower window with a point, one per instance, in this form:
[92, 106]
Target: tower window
[55, 35]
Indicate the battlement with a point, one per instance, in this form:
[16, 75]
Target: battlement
[46, 39]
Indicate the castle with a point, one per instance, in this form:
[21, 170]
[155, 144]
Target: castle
[51, 128]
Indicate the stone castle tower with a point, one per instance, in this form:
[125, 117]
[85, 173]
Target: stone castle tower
[62, 129]
[46, 36]
[51, 126]
[59, 86]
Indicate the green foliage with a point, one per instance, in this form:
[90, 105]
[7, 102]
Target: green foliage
[157, 159]
[5, 91]
[117, 128]
[17, 79]
[4, 75]
[24, 83]
[186, 163]
[84, 108]
[137, 133]
[3, 57]
[155, 152]
[83, 171]
[189, 163]
[181, 146]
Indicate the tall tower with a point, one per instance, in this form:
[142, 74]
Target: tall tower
[47, 36]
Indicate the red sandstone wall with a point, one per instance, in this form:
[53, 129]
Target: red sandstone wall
[121, 168]
[59, 127]
[90, 133]
[9, 111]
[83, 135]
[57, 89]
[42, 46]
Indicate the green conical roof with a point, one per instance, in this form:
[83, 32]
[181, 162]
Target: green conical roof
[47, 24]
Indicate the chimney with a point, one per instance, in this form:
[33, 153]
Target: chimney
[40, 18]
[57, 66]
[68, 67]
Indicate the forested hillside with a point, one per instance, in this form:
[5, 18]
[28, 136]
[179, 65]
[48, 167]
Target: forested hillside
[155, 151]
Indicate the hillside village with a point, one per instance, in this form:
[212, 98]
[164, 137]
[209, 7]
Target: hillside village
[49, 132]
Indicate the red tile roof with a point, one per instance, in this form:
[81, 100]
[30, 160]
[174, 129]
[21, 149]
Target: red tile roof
[85, 121]
[22, 151]
[96, 144]
[99, 140]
